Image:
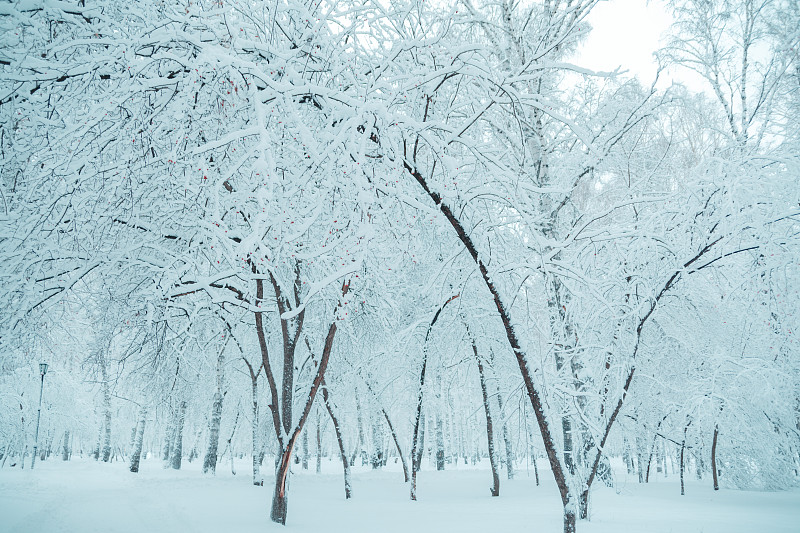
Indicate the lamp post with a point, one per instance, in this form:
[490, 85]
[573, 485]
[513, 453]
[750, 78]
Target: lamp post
[43, 371]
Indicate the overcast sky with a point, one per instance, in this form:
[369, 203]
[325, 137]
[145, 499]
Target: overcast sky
[625, 34]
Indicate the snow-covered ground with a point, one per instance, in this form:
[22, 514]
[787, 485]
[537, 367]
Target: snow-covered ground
[82, 496]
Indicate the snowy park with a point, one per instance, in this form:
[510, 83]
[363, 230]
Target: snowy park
[92, 497]
[400, 265]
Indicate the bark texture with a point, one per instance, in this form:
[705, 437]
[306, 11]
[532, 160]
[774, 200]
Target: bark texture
[139, 441]
[495, 489]
[177, 447]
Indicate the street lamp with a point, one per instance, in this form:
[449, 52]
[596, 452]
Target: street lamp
[43, 371]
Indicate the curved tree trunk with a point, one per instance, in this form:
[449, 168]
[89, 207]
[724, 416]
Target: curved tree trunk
[339, 440]
[522, 359]
[418, 434]
[391, 431]
[495, 489]
[397, 445]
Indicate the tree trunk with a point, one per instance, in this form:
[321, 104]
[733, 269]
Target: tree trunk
[339, 440]
[65, 452]
[229, 444]
[106, 452]
[169, 437]
[133, 438]
[96, 452]
[506, 439]
[683, 447]
[626, 457]
[566, 426]
[305, 450]
[714, 457]
[257, 451]
[397, 445]
[416, 452]
[319, 443]
[650, 456]
[359, 449]
[210, 460]
[439, 442]
[569, 520]
[137, 447]
[495, 489]
[280, 495]
[418, 434]
[640, 462]
[378, 459]
[283, 468]
[391, 431]
[177, 447]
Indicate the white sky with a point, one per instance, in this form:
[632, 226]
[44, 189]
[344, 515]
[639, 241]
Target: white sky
[625, 34]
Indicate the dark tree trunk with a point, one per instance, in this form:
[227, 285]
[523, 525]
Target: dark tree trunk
[138, 443]
[569, 521]
[339, 440]
[683, 446]
[640, 463]
[416, 453]
[230, 442]
[397, 445]
[391, 431]
[650, 461]
[416, 444]
[96, 452]
[280, 495]
[177, 447]
[653, 449]
[520, 356]
[714, 457]
[683, 467]
[495, 489]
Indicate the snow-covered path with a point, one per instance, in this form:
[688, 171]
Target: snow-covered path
[83, 496]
